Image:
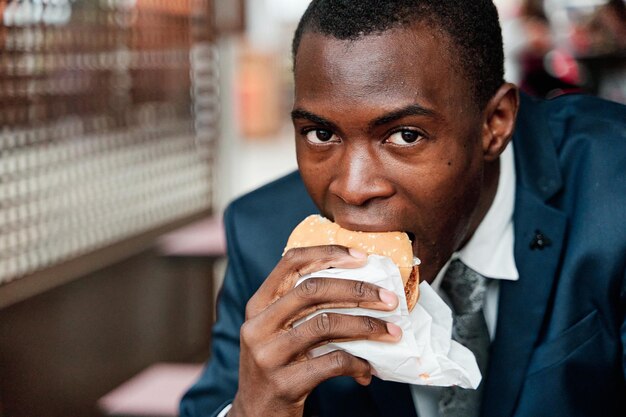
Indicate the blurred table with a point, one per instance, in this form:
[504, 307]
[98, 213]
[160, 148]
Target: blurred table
[204, 238]
[155, 392]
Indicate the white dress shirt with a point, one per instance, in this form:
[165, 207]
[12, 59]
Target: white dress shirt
[490, 253]
[225, 411]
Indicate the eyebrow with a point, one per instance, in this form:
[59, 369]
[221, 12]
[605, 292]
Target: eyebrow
[303, 114]
[410, 110]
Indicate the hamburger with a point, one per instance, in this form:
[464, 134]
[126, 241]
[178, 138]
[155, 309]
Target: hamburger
[316, 230]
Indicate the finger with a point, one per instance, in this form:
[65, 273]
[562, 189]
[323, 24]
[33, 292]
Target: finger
[295, 345]
[322, 293]
[296, 263]
[300, 378]
[332, 327]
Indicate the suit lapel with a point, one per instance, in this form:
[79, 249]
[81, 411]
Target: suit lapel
[393, 399]
[523, 303]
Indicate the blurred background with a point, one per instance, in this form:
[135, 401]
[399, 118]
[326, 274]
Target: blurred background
[126, 127]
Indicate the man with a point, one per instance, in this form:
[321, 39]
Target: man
[403, 122]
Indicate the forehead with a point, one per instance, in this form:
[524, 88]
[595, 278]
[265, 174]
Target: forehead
[408, 64]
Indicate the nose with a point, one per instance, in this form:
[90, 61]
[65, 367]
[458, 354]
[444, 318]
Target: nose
[360, 177]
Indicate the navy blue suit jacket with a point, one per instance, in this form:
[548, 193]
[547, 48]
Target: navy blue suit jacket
[559, 348]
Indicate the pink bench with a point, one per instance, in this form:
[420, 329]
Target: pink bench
[154, 392]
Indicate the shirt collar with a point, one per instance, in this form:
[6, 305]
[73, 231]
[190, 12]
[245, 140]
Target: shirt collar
[490, 249]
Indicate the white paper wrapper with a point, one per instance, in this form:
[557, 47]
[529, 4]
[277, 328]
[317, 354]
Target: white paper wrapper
[426, 354]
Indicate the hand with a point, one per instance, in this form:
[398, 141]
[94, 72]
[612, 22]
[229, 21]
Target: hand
[275, 372]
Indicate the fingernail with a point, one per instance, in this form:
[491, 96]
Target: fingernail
[394, 330]
[387, 297]
[357, 253]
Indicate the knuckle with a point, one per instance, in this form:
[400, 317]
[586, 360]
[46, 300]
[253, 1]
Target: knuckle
[250, 309]
[311, 287]
[245, 332]
[362, 290]
[292, 254]
[371, 325]
[330, 250]
[340, 361]
[323, 324]
[262, 358]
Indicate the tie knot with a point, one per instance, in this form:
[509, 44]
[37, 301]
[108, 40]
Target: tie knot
[464, 287]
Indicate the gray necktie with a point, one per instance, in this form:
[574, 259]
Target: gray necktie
[466, 290]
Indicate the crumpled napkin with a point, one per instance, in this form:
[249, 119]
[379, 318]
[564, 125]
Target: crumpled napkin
[426, 354]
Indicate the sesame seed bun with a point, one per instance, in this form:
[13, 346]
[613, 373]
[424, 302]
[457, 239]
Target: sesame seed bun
[316, 230]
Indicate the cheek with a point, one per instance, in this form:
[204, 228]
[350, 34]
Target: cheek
[444, 198]
[315, 174]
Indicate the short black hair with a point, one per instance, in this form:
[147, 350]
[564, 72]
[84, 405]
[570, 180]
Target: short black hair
[472, 26]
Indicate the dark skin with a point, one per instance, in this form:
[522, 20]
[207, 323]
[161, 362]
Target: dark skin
[388, 137]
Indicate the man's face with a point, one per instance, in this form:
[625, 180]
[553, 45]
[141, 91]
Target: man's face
[388, 138]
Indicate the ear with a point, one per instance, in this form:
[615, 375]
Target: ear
[499, 121]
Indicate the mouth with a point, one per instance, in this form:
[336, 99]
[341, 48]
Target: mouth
[414, 243]
[364, 226]
[376, 227]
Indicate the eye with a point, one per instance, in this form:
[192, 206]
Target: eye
[320, 136]
[405, 137]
